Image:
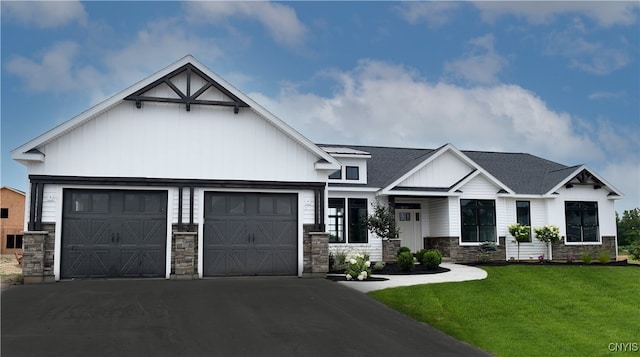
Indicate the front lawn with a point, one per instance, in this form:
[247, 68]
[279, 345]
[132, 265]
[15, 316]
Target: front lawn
[534, 310]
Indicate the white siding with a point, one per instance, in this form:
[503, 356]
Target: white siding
[308, 207]
[164, 140]
[454, 216]
[439, 217]
[51, 203]
[443, 171]
[606, 207]
[528, 251]
[479, 188]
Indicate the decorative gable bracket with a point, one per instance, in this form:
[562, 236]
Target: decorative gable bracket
[584, 177]
[189, 97]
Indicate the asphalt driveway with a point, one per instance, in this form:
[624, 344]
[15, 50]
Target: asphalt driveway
[252, 316]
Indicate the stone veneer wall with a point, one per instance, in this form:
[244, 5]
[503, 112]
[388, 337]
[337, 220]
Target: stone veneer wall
[184, 253]
[38, 254]
[390, 250]
[316, 252]
[561, 251]
[450, 247]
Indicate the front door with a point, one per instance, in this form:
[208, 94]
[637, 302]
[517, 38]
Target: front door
[410, 228]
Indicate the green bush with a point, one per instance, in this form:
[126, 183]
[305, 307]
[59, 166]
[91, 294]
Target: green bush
[402, 250]
[586, 258]
[431, 259]
[604, 257]
[420, 255]
[378, 266]
[405, 261]
[634, 251]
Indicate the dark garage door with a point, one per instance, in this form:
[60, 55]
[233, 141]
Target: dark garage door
[113, 233]
[250, 234]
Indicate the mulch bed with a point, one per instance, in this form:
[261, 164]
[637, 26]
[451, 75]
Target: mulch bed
[389, 269]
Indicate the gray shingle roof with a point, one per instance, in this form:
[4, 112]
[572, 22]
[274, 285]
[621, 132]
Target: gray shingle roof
[522, 173]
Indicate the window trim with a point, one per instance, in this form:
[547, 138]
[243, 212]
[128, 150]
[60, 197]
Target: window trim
[529, 218]
[343, 218]
[13, 238]
[350, 170]
[354, 221]
[461, 242]
[582, 210]
[351, 204]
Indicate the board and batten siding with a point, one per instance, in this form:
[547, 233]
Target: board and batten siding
[443, 171]
[606, 208]
[163, 140]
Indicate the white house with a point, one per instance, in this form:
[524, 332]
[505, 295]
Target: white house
[183, 175]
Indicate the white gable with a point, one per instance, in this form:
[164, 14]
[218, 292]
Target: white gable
[443, 171]
[182, 122]
[479, 187]
[164, 140]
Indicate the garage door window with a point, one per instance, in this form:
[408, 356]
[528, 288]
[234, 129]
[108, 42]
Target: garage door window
[90, 202]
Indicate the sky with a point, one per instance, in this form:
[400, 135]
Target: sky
[559, 80]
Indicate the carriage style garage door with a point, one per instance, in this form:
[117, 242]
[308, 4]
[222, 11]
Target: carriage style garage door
[113, 233]
[250, 234]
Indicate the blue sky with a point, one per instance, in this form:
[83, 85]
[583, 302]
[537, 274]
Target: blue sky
[558, 80]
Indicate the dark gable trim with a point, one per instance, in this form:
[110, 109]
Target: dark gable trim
[188, 98]
[38, 182]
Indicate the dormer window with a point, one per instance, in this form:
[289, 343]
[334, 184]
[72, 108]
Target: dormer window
[353, 173]
[336, 175]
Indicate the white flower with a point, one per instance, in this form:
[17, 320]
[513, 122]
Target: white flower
[349, 277]
[367, 263]
[360, 277]
[352, 261]
[364, 273]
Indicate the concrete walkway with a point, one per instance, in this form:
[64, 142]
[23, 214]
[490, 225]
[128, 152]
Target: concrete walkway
[457, 273]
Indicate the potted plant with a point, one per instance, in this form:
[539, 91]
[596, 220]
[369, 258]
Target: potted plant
[520, 234]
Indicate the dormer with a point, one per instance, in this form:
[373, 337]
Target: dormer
[353, 165]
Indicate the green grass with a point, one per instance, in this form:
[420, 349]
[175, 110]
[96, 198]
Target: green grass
[531, 310]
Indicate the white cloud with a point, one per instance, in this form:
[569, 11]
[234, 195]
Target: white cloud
[481, 64]
[378, 103]
[434, 13]
[604, 13]
[605, 95]
[59, 68]
[280, 21]
[44, 14]
[155, 46]
[56, 70]
[383, 104]
[589, 56]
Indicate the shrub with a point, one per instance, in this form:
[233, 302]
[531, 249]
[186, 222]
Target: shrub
[339, 261]
[358, 267]
[402, 250]
[420, 254]
[634, 251]
[431, 259]
[604, 257]
[405, 261]
[378, 266]
[484, 255]
[586, 258]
